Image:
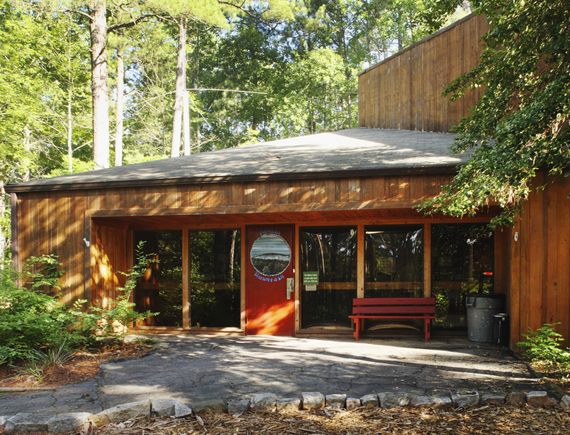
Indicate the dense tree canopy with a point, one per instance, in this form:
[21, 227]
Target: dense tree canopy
[255, 70]
[520, 125]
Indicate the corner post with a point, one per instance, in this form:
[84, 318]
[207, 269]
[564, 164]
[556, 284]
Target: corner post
[427, 260]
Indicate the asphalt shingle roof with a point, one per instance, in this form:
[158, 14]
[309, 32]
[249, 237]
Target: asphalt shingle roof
[354, 152]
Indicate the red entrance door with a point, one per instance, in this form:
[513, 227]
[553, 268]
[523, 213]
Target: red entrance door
[269, 294]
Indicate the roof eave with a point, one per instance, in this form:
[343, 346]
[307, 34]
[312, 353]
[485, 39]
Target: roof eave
[55, 187]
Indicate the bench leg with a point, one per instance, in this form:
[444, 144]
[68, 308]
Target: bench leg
[426, 329]
[357, 328]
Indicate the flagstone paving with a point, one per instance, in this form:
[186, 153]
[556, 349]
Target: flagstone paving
[194, 369]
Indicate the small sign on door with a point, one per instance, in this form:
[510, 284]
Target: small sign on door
[311, 278]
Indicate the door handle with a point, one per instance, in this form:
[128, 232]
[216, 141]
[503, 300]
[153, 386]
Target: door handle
[290, 288]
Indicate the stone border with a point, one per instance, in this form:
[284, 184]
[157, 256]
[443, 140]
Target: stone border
[269, 402]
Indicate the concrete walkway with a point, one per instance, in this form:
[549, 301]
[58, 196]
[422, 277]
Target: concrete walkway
[198, 368]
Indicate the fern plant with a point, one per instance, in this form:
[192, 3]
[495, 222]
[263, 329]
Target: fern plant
[543, 346]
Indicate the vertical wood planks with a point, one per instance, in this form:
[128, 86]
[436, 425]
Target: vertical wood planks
[563, 256]
[551, 210]
[535, 222]
[296, 277]
[427, 260]
[243, 259]
[360, 272]
[515, 287]
[404, 92]
[185, 279]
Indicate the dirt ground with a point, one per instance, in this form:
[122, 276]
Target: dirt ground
[83, 366]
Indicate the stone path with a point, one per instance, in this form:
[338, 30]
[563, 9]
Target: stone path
[193, 369]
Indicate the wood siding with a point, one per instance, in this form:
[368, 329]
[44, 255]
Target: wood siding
[57, 222]
[404, 92]
[537, 264]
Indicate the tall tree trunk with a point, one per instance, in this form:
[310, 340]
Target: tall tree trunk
[119, 114]
[186, 118]
[25, 162]
[70, 83]
[180, 88]
[69, 132]
[232, 253]
[3, 237]
[99, 83]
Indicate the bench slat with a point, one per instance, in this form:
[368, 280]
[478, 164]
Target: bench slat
[392, 301]
[364, 316]
[393, 310]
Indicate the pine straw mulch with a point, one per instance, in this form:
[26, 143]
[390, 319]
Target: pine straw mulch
[414, 421]
[83, 366]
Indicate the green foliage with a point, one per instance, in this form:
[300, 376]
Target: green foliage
[121, 314]
[543, 346]
[32, 318]
[33, 368]
[441, 305]
[53, 356]
[520, 124]
[317, 95]
[44, 81]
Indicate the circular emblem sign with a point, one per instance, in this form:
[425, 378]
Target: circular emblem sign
[270, 255]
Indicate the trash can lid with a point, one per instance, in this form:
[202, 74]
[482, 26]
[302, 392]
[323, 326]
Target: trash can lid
[488, 295]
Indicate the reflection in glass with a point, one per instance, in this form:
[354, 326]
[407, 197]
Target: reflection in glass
[270, 255]
[215, 278]
[462, 262]
[394, 258]
[160, 289]
[332, 252]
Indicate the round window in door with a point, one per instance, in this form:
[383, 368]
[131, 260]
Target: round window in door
[270, 255]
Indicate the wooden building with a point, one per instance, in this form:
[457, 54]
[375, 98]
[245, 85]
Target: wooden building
[277, 238]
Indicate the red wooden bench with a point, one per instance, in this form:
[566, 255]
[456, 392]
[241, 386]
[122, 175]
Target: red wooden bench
[393, 308]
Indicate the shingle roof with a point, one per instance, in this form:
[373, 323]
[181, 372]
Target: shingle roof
[354, 152]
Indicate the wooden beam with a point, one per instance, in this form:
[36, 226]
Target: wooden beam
[427, 260]
[185, 280]
[243, 260]
[89, 259]
[296, 276]
[15, 233]
[360, 240]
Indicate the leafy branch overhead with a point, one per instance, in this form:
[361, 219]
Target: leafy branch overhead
[520, 125]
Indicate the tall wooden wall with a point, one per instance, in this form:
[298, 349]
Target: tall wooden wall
[538, 262]
[58, 222]
[404, 91]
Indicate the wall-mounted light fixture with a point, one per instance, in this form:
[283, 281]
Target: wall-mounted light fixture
[516, 237]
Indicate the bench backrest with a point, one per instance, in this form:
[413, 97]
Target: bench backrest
[371, 306]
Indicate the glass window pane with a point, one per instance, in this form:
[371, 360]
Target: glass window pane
[160, 289]
[332, 252]
[270, 255]
[462, 262]
[394, 261]
[215, 278]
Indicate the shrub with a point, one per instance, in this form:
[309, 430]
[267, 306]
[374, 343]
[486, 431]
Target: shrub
[543, 346]
[32, 318]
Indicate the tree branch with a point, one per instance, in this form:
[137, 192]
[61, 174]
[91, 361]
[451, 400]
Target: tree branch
[132, 23]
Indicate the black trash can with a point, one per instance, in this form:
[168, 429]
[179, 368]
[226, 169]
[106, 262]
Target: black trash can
[480, 310]
[501, 329]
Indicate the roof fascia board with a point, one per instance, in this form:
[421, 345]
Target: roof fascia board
[23, 188]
